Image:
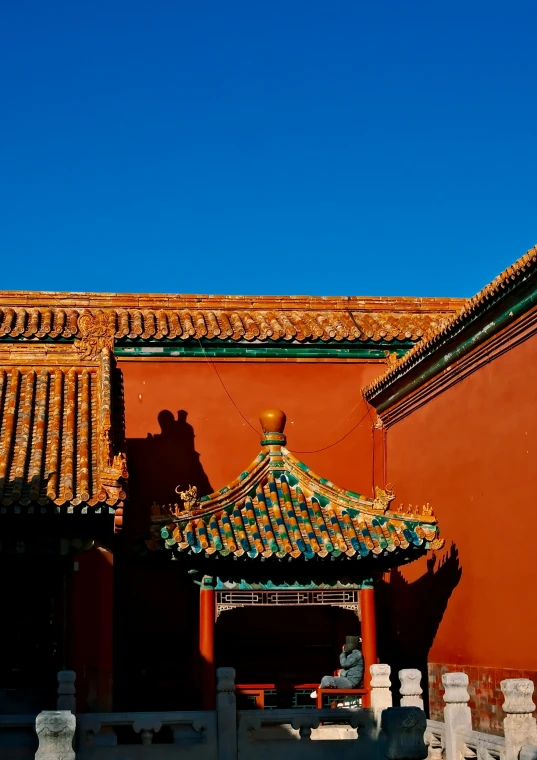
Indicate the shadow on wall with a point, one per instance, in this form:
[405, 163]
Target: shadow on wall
[409, 614]
[160, 463]
[156, 600]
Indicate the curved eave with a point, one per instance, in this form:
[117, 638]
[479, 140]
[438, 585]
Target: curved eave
[280, 508]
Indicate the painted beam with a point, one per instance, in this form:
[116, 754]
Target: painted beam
[244, 350]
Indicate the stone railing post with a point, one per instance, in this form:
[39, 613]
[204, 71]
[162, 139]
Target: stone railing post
[403, 730]
[55, 731]
[381, 695]
[519, 725]
[66, 691]
[411, 690]
[226, 714]
[457, 714]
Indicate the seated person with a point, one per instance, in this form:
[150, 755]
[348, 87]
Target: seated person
[352, 673]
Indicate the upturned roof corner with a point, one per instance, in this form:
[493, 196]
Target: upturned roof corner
[278, 507]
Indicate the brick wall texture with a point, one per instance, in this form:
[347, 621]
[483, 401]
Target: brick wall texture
[486, 698]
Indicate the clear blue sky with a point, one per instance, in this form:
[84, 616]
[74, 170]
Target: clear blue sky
[266, 146]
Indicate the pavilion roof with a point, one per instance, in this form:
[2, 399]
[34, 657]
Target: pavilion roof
[58, 431]
[114, 318]
[278, 507]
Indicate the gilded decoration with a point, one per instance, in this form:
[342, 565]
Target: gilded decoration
[96, 331]
[188, 497]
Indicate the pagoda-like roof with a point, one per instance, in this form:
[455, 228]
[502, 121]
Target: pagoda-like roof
[278, 507]
[58, 432]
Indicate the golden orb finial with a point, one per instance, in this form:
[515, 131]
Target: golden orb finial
[273, 420]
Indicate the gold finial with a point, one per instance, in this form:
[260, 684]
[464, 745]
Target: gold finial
[273, 424]
[273, 420]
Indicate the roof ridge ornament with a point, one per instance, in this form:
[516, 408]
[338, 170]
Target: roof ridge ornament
[189, 497]
[96, 330]
[383, 498]
[273, 424]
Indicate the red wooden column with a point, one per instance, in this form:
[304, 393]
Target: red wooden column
[207, 620]
[92, 628]
[369, 635]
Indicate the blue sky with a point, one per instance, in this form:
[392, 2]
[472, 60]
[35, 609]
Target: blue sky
[285, 146]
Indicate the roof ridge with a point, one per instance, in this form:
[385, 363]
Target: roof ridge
[303, 322]
[511, 274]
[156, 301]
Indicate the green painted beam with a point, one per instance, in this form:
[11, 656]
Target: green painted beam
[244, 350]
[241, 349]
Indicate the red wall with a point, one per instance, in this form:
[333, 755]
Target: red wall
[471, 452]
[156, 603]
[322, 401]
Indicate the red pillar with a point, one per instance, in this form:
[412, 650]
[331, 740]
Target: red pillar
[369, 635]
[92, 628]
[207, 620]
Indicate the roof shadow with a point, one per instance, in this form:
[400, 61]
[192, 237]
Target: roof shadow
[410, 613]
[159, 464]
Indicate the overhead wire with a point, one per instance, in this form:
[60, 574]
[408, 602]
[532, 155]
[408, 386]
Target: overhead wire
[258, 432]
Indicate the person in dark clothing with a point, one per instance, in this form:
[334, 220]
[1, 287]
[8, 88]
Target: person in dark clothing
[352, 673]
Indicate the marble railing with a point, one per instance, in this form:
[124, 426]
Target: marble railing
[381, 731]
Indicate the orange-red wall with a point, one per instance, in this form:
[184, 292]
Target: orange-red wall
[322, 401]
[156, 603]
[471, 452]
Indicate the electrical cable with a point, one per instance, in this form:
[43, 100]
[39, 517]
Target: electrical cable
[294, 451]
[258, 432]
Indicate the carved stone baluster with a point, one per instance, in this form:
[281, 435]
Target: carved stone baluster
[66, 690]
[146, 726]
[304, 725]
[146, 735]
[55, 731]
[226, 714]
[411, 690]
[457, 715]
[435, 744]
[403, 730]
[519, 724]
[381, 695]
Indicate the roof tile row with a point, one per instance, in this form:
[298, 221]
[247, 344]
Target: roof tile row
[439, 333]
[56, 436]
[250, 325]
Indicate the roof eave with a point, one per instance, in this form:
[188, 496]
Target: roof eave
[491, 313]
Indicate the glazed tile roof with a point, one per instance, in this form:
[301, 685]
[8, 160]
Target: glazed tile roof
[280, 508]
[57, 444]
[512, 277]
[81, 316]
